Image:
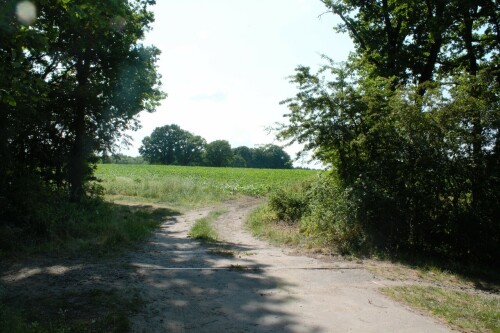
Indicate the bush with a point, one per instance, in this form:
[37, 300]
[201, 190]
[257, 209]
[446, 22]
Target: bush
[290, 204]
[333, 216]
[324, 210]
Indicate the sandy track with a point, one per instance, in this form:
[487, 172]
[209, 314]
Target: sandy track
[190, 287]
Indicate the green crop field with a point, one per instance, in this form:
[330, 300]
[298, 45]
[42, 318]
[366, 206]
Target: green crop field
[191, 186]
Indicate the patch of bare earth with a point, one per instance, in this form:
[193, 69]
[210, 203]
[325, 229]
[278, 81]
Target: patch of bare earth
[240, 285]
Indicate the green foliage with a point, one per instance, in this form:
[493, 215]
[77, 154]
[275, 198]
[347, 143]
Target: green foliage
[218, 154]
[122, 159]
[290, 203]
[406, 161]
[47, 221]
[321, 209]
[172, 145]
[238, 162]
[266, 156]
[333, 217]
[72, 82]
[414, 145]
[244, 153]
[411, 41]
[264, 223]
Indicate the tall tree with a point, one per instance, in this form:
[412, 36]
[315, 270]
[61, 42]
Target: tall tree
[113, 77]
[170, 144]
[246, 155]
[91, 79]
[270, 157]
[218, 153]
[401, 39]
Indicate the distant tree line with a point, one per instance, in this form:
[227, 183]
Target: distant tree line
[172, 145]
[122, 159]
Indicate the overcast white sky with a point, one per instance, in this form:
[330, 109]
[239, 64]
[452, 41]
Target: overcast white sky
[225, 64]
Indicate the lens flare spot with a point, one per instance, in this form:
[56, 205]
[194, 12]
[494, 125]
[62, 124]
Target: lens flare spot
[26, 12]
[118, 23]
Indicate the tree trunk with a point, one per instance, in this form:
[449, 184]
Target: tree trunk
[436, 17]
[477, 128]
[77, 163]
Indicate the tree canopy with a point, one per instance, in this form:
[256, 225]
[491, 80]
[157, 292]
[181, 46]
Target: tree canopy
[410, 124]
[74, 77]
[218, 154]
[264, 157]
[170, 144]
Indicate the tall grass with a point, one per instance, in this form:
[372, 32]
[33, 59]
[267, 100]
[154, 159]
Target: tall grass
[263, 223]
[94, 227]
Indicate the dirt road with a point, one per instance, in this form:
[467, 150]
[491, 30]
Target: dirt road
[176, 284]
[250, 286]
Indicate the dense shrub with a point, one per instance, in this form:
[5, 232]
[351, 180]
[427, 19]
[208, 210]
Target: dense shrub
[333, 216]
[290, 204]
[420, 171]
[324, 211]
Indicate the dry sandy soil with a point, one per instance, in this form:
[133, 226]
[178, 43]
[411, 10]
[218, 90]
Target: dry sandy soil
[240, 285]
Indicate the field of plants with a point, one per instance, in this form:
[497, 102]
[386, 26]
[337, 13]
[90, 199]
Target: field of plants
[191, 186]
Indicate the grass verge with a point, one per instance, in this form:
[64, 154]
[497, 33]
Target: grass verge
[464, 311]
[203, 230]
[99, 228]
[438, 273]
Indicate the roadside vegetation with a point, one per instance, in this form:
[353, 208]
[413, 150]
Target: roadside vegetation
[317, 216]
[464, 311]
[96, 227]
[409, 125]
[50, 224]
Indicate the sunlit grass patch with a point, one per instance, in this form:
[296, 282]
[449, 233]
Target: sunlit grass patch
[203, 229]
[191, 186]
[464, 311]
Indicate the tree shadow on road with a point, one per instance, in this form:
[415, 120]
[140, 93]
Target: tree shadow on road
[170, 284]
[189, 287]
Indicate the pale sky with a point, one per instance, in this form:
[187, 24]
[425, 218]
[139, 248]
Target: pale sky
[225, 64]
